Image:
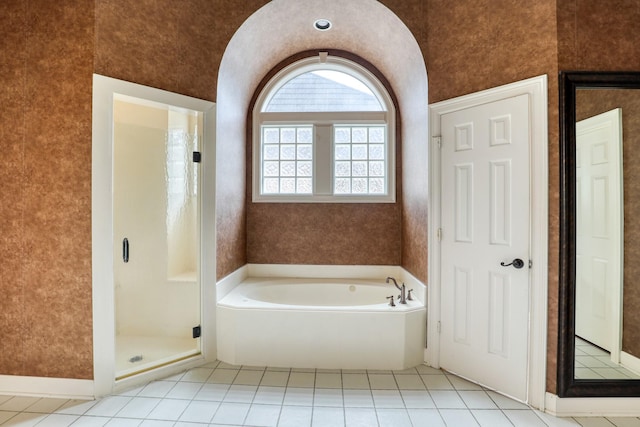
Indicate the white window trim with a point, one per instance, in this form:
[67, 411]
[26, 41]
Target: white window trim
[386, 118]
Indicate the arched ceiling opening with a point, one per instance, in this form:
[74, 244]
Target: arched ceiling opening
[279, 30]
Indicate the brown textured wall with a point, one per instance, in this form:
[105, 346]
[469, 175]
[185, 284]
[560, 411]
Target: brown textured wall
[595, 36]
[45, 170]
[588, 104]
[339, 233]
[160, 43]
[479, 44]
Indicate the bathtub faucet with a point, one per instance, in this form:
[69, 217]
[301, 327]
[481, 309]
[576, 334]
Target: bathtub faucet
[402, 298]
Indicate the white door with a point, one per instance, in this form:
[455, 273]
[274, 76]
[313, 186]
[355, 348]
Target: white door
[485, 222]
[599, 230]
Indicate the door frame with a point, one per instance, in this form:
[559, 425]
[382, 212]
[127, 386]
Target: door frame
[536, 89]
[104, 90]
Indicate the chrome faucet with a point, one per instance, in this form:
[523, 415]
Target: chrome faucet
[402, 298]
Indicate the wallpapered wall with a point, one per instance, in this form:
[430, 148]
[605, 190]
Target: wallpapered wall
[51, 50]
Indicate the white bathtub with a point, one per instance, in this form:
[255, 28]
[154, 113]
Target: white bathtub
[319, 323]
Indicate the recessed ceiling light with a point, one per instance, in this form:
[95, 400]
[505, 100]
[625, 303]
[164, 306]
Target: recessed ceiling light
[322, 24]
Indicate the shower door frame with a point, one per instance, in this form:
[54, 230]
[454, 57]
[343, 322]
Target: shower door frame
[104, 90]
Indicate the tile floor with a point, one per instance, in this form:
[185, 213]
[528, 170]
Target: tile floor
[595, 363]
[219, 394]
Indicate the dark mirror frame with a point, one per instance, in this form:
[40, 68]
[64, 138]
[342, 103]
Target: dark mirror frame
[567, 385]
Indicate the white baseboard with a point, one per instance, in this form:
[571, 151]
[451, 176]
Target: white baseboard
[592, 406]
[630, 362]
[46, 387]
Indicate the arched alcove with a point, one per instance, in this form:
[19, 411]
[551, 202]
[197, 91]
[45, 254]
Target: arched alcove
[282, 28]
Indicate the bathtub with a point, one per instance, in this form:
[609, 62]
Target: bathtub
[319, 323]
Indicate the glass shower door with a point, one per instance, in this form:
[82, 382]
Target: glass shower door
[156, 234]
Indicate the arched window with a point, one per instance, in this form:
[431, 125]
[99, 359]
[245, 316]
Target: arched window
[324, 132]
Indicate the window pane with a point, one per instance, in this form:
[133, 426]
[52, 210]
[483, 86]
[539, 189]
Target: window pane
[362, 161]
[342, 135]
[305, 135]
[271, 186]
[343, 169]
[287, 164]
[342, 186]
[288, 185]
[376, 152]
[359, 135]
[287, 135]
[305, 169]
[271, 152]
[271, 136]
[376, 185]
[376, 168]
[359, 152]
[305, 152]
[343, 152]
[305, 186]
[323, 90]
[287, 152]
[359, 186]
[376, 134]
[287, 168]
[271, 168]
[359, 168]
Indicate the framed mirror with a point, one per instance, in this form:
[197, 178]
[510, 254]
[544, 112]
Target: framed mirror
[599, 300]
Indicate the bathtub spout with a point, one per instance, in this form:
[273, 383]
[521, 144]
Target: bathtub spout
[402, 298]
[394, 282]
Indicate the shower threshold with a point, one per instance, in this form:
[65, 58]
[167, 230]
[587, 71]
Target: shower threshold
[136, 354]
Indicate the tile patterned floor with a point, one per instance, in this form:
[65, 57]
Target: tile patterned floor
[595, 363]
[218, 394]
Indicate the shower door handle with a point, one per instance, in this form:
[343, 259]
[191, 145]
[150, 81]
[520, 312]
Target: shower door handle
[125, 250]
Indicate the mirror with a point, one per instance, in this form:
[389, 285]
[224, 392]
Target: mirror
[599, 301]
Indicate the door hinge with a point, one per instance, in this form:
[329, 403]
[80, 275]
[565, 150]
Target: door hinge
[439, 234]
[439, 327]
[197, 331]
[197, 156]
[437, 140]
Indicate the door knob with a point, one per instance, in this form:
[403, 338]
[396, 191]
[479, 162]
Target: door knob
[517, 263]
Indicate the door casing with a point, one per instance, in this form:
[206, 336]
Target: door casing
[536, 89]
[104, 89]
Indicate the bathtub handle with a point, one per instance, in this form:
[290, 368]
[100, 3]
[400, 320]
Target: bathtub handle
[125, 250]
[391, 303]
[409, 297]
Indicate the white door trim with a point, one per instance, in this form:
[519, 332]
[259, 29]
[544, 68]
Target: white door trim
[104, 89]
[536, 89]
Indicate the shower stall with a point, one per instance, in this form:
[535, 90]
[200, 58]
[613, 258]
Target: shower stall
[156, 259]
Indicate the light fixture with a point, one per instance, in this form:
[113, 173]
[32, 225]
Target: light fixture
[322, 24]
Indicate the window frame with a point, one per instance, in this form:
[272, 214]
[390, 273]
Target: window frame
[317, 119]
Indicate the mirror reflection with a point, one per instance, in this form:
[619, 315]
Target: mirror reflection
[607, 190]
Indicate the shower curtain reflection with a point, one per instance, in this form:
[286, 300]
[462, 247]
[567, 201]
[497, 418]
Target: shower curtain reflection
[155, 194]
